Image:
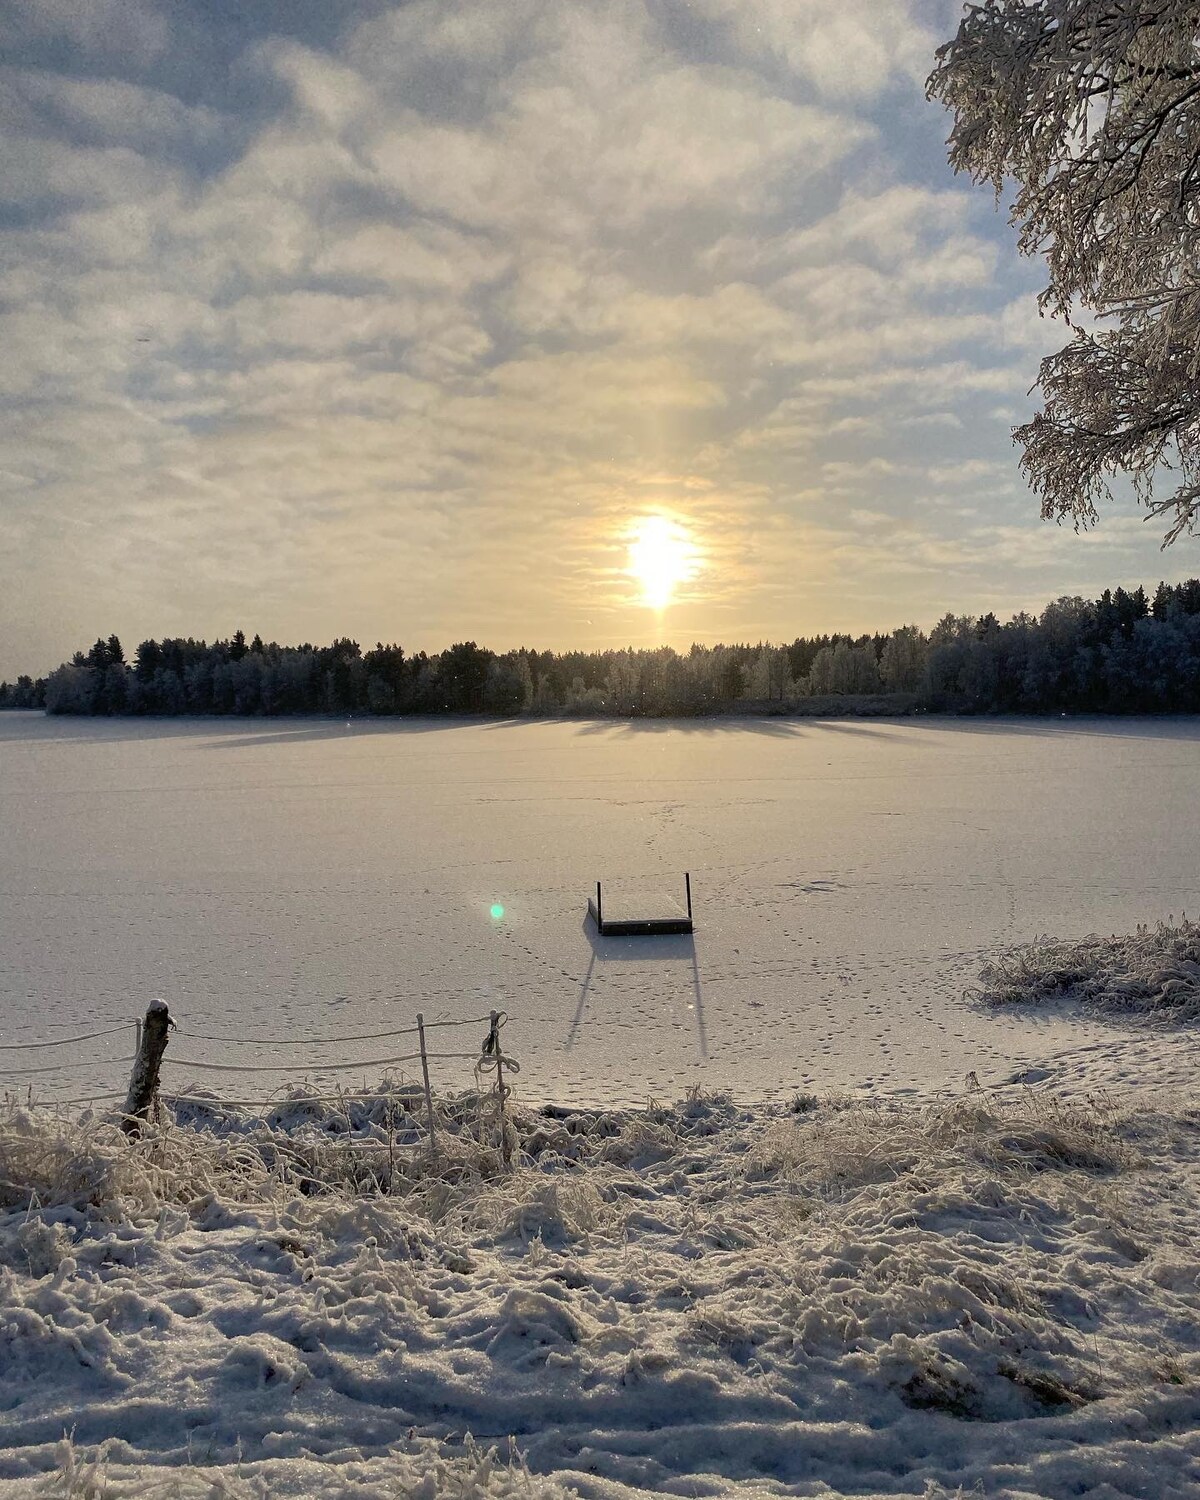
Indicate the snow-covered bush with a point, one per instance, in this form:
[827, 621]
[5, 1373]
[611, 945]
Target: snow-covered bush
[1153, 973]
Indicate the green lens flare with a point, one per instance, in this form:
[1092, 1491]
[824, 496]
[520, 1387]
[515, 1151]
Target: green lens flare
[497, 911]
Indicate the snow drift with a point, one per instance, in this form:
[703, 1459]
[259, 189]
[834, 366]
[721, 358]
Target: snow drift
[996, 1290]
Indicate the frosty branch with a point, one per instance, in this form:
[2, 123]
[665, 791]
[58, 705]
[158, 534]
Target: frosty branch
[1093, 110]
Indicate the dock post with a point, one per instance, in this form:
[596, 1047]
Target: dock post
[687, 881]
[599, 909]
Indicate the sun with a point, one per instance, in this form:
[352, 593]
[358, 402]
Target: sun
[661, 557]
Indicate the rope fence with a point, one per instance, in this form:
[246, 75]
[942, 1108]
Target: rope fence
[149, 1057]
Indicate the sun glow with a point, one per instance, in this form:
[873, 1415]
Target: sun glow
[661, 557]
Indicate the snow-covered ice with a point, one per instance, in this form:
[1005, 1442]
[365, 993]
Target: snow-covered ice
[305, 879]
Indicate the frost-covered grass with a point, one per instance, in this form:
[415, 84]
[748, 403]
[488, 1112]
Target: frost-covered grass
[422, 1473]
[1153, 973]
[997, 1293]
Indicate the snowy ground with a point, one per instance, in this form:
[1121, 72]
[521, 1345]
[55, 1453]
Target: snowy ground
[963, 1285]
[306, 880]
[997, 1293]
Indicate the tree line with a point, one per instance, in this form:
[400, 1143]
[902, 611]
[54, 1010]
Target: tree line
[26, 692]
[1121, 653]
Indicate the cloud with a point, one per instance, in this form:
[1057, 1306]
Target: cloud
[100, 29]
[385, 319]
[112, 113]
[844, 49]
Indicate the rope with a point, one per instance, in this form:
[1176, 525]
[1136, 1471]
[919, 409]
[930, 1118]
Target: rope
[95, 1099]
[367, 1062]
[317, 1041]
[63, 1103]
[57, 1068]
[218, 1104]
[318, 1067]
[348, 1067]
[454, 1056]
[67, 1041]
[323, 1041]
[476, 1021]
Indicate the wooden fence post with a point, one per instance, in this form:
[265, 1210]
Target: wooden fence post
[425, 1072]
[505, 1153]
[143, 1081]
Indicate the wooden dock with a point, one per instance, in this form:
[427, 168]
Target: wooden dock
[640, 926]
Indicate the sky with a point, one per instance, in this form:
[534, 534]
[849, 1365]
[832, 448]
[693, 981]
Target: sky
[395, 320]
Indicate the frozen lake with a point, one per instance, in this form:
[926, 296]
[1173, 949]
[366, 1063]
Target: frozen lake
[291, 879]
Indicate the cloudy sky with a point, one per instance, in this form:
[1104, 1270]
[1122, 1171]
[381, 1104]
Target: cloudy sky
[391, 320]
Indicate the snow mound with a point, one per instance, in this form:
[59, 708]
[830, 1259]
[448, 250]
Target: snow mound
[1151, 974]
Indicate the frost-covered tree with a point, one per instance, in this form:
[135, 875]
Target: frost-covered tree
[462, 674]
[68, 690]
[24, 693]
[508, 688]
[1093, 110]
[853, 668]
[767, 677]
[820, 674]
[902, 665]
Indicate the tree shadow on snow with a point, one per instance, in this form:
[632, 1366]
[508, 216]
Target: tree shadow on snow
[628, 728]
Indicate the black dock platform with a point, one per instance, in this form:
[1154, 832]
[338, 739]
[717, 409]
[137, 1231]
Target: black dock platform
[640, 926]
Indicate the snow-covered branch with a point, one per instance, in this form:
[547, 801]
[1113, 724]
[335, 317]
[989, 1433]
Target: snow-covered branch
[1094, 112]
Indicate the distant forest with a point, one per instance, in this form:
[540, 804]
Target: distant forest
[1121, 653]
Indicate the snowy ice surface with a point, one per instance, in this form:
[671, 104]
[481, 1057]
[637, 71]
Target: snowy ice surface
[306, 879]
[993, 1294]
